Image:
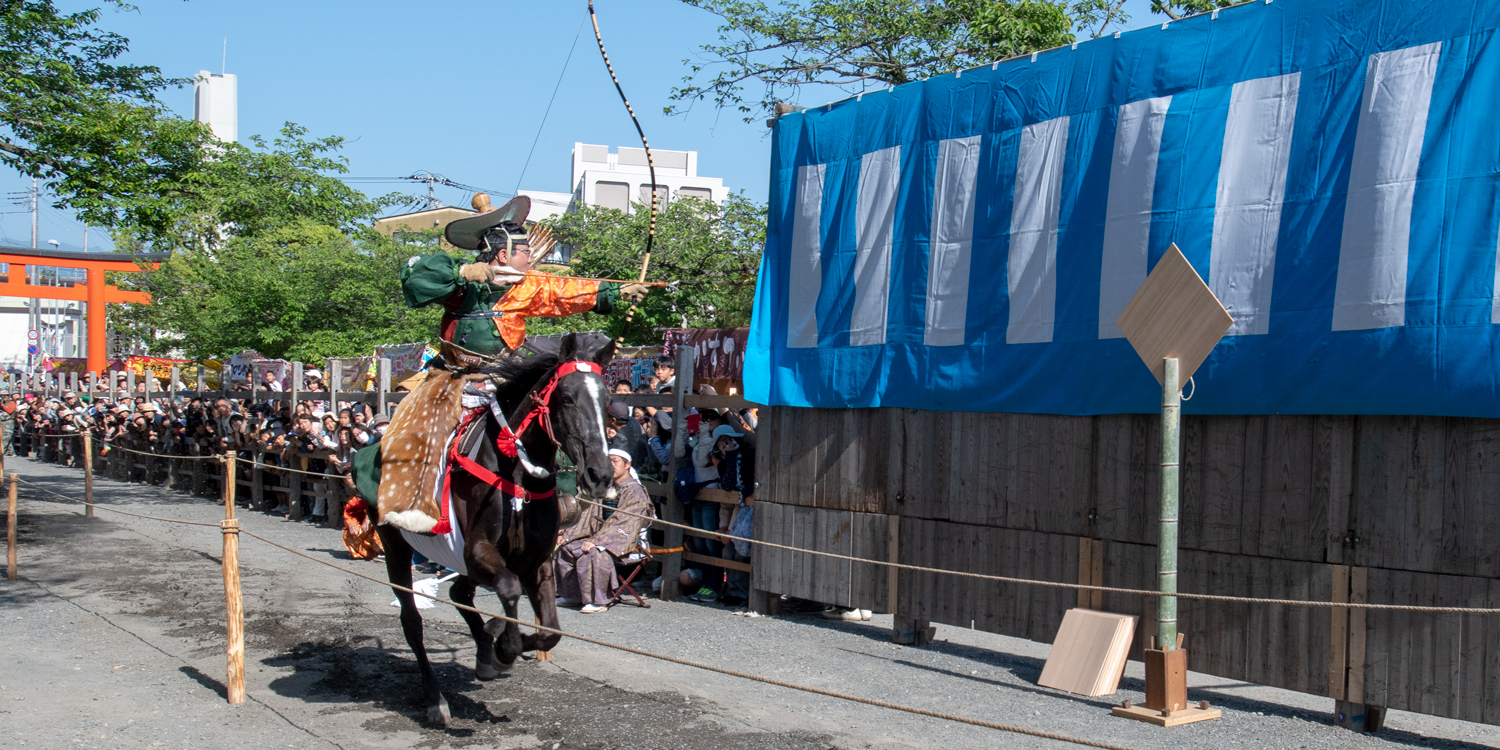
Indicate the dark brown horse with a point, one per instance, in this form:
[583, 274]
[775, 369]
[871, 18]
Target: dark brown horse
[510, 518]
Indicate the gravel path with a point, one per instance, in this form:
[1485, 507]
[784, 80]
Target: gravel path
[113, 637]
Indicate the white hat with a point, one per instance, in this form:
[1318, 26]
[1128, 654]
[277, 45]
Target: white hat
[620, 453]
[313, 373]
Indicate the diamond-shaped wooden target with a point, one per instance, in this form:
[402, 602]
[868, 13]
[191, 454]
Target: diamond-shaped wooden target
[1174, 314]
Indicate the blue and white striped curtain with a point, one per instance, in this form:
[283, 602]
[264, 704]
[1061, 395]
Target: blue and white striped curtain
[1330, 167]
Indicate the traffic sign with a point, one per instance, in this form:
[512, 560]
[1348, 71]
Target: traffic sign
[31, 350]
[32, 335]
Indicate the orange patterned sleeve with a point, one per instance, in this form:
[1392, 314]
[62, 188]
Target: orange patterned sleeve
[542, 296]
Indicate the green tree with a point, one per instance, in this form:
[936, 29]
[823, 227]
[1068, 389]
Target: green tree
[856, 44]
[300, 290]
[1179, 9]
[246, 189]
[271, 251]
[91, 129]
[776, 50]
[712, 253]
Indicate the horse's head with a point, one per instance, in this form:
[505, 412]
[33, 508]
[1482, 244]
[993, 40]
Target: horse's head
[579, 405]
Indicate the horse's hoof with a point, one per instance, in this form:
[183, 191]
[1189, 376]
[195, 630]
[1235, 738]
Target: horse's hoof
[438, 715]
[485, 672]
[494, 627]
[500, 666]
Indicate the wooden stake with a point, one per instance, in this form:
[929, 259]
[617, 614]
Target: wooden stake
[10, 533]
[88, 474]
[233, 604]
[542, 655]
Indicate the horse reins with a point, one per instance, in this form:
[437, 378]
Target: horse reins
[539, 413]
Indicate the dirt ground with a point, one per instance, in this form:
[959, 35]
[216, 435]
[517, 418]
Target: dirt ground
[114, 637]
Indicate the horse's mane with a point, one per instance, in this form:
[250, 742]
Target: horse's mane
[518, 376]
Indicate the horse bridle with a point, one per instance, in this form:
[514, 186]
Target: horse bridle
[507, 441]
[540, 411]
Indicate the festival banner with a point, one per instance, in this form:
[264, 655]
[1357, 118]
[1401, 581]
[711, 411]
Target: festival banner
[355, 373]
[406, 359]
[239, 366]
[158, 367]
[720, 351]
[280, 369]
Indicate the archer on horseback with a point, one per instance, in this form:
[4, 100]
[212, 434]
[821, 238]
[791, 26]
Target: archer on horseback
[486, 304]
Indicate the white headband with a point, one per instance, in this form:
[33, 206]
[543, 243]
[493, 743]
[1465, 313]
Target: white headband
[620, 453]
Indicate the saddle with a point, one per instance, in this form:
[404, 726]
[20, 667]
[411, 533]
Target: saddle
[413, 445]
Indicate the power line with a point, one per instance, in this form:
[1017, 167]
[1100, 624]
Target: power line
[548, 111]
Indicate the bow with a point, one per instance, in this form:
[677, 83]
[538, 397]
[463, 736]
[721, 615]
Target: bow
[650, 164]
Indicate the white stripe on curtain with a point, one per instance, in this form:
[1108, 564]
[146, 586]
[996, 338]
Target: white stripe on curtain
[805, 268]
[1127, 218]
[874, 232]
[1247, 210]
[1031, 274]
[952, 241]
[1371, 286]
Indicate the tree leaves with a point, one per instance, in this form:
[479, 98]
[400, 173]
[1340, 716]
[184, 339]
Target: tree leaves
[857, 45]
[92, 130]
[712, 251]
[301, 291]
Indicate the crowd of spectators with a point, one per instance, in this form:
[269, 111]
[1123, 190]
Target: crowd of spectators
[155, 429]
[718, 452]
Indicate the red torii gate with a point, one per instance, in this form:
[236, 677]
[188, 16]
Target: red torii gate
[95, 292]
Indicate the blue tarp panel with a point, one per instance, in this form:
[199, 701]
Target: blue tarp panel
[1330, 167]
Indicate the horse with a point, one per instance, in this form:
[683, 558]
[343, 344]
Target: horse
[510, 519]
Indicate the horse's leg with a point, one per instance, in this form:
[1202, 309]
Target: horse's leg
[543, 595]
[398, 571]
[462, 592]
[506, 632]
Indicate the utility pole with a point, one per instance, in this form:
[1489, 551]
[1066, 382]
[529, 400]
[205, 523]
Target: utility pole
[33, 213]
[31, 271]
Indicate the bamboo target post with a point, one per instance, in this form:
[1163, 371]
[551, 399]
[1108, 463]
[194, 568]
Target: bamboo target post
[10, 531]
[88, 474]
[233, 603]
[1173, 322]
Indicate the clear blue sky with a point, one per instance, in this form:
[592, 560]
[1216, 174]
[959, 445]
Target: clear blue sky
[455, 87]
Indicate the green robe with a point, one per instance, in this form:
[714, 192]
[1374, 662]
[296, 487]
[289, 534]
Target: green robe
[434, 279]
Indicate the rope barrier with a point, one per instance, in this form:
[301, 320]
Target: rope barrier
[113, 510]
[1076, 586]
[1025, 581]
[631, 650]
[211, 457]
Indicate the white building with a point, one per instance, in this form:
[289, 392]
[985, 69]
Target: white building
[216, 102]
[620, 180]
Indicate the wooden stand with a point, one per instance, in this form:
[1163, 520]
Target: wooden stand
[1166, 692]
[10, 532]
[542, 655]
[1167, 718]
[88, 474]
[233, 604]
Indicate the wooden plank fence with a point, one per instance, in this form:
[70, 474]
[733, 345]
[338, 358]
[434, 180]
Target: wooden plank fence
[1398, 510]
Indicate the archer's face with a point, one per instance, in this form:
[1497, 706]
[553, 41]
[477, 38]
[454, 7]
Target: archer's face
[521, 259]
